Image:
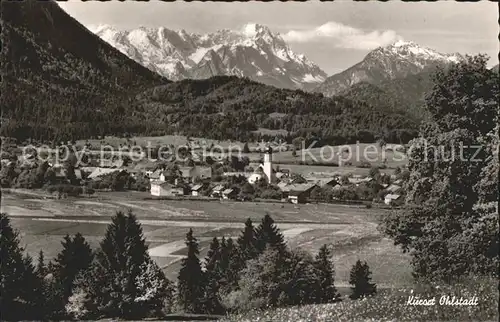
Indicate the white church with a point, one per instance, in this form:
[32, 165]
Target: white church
[265, 170]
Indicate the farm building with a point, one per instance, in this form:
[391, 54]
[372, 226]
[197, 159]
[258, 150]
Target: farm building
[195, 172]
[393, 188]
[160, 188]
[393, 199]
[229, 194]
[217, 191]
[298, 193]
[322, 182]
[356, 180]
[102, 171]
[196, 189]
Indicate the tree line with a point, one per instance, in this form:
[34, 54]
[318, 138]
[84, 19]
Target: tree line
[120, 280]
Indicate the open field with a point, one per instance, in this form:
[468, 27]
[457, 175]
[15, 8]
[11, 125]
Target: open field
[351, 230]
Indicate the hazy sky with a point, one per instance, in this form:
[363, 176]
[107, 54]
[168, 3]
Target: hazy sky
[333, 35]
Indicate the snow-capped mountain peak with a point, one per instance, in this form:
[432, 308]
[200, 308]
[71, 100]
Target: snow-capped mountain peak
[253, 30]
[253, 51]
[410, 49]
[397, 60]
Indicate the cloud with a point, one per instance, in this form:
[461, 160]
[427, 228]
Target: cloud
[343, 36]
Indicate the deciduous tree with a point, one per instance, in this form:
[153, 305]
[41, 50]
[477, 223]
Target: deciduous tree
[441, 222]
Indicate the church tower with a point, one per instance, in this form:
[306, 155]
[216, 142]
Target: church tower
[268, 166]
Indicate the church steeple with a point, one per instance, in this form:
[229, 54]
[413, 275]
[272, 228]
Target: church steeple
[268, 166]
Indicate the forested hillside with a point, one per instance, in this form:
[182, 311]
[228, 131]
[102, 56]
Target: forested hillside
[229, 107]
[58, 77]
[401, 94]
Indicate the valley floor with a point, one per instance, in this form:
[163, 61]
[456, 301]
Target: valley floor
[351, 230]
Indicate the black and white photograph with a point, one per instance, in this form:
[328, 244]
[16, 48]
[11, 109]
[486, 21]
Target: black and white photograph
[272, 161]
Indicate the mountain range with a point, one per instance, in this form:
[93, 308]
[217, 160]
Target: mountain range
[395, 76]
[254, 52]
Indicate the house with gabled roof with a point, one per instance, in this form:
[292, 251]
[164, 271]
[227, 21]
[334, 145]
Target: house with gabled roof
[229, 193]
[98, 172]
[189, 174]
[322, 182]
[300, 193]
[357, 180]
[161, 188]
[393, 188]
[197, 188]
[393, 199]
[155, 175]
[217, 191]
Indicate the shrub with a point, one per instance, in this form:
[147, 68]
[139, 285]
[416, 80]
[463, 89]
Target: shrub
[278, 279]
[78, 305]
[154, 290]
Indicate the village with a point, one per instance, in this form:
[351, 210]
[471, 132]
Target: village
[201, 177]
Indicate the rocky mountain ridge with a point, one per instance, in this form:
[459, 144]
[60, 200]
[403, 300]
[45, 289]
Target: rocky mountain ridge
[398, 60]
[254, 52]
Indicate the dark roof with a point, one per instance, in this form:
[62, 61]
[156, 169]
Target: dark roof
[197, 187]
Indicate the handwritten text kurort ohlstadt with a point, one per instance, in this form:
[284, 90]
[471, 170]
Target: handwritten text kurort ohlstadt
[443, 300]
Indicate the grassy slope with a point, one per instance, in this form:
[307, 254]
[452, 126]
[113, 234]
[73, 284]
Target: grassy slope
[391, 305]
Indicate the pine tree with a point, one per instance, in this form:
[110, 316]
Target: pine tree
[360, 278]
[326, 272]
[212, 278]
[213, 256]
[113, 275]
[299, 279]
[20, 287]
[191, 281]
[234, 263]
[245, 148]
[41, 270]
[75, 257]
[267, 234]
[230, 266]
[247, 242]
[32, 290]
